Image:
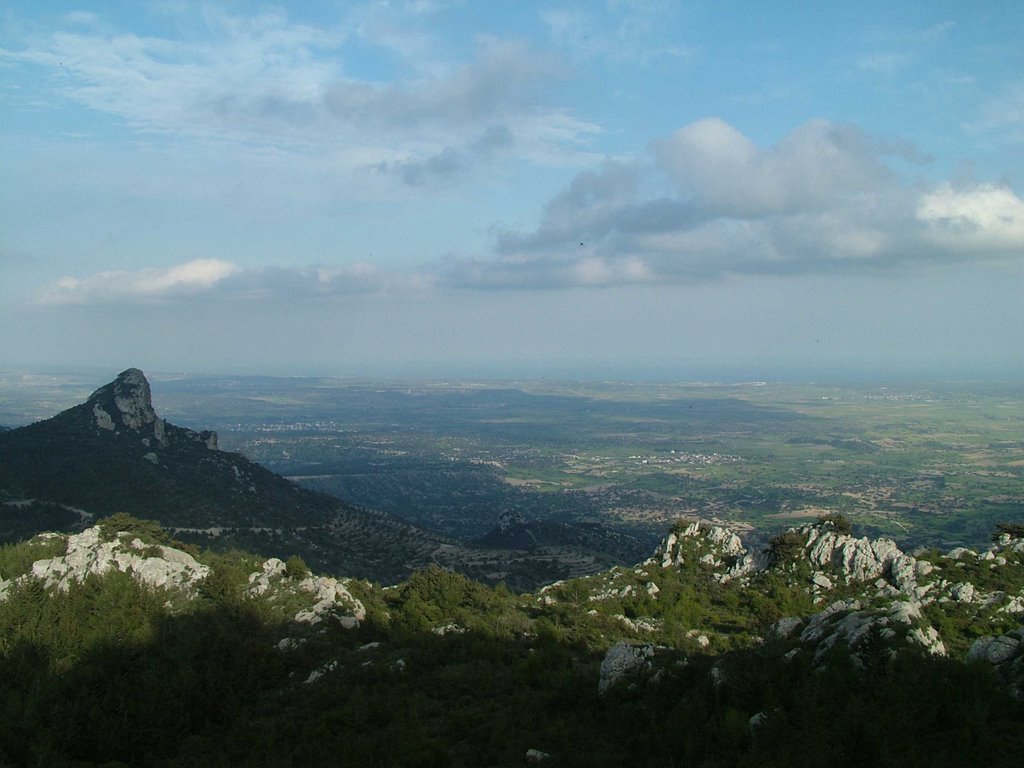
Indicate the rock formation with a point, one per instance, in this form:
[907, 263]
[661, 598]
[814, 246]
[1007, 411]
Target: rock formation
[623, 661]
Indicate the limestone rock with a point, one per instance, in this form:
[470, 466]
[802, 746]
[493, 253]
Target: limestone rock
[127, 403]
[1006, 655]
[86, 553]
[784, 628]
[855, 559]
[622, 661]
[994, 650]
[963, 592]
[848, 622]
[330, 597]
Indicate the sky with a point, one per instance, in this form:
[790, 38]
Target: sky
[621, 189]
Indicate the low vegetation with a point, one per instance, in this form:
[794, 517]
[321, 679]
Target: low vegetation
[447, 671]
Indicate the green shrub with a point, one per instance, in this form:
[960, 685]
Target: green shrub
[149, 531]
[295, 568]
[840, 522]
[1016, 530]
[16, 559]
[785, 547]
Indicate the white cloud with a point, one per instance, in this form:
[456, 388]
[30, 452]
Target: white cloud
[822, 200]
[710, 204]
[725, 172]
[213, 280]
[983, 219]
[190, 278]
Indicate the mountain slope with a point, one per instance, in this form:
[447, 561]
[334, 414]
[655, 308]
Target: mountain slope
[113, 453]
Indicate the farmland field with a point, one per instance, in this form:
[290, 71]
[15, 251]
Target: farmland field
[933, 465]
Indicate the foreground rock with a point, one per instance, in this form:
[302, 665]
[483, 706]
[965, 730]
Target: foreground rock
[624, 661]
[91, 553]
[306, 599]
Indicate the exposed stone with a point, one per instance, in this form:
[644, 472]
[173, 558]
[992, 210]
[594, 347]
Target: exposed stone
[86, 553]
[623, 660]
[331, 598]
[322, 670]
[1016, 605]
[855, 559]
[994, 650]
[260, 581]
[290, 643]
[821, 580]
[959, 552]
[757, 720]
[449, 629]
[963, 592]
[1006, 655]
[102, 418]
[784, 628]
[929, 638]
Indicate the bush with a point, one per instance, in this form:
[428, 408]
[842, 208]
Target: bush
[785, 547]
[296, 568]
[16, 559]
[149, 531]
[1016, 530]
[840, 522]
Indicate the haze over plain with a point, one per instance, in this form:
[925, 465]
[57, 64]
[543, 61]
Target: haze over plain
[626, 189]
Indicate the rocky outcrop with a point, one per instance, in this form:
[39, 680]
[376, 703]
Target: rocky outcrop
[88, 553]
[127, 403]
[1006, 655]
[623, 661]
[851, 558]
[849, 622]
[330, 597]
[712, 545]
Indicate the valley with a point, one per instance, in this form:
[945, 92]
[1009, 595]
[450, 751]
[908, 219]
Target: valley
[933, 465]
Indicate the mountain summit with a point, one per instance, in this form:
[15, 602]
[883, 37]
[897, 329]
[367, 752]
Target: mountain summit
[128, 397]
[127, 403]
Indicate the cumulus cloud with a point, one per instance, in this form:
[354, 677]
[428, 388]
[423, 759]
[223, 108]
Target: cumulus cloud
[822, 200]
[985, 218]
[726, 173]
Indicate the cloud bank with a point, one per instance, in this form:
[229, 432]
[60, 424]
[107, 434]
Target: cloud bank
[823, 200]
[708, 203]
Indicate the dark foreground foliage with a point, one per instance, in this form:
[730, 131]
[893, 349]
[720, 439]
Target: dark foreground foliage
[103, 675]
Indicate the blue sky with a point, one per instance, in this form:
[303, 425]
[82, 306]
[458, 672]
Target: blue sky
[619, 189]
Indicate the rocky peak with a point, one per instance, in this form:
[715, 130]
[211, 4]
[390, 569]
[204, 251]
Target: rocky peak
[125, 402]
